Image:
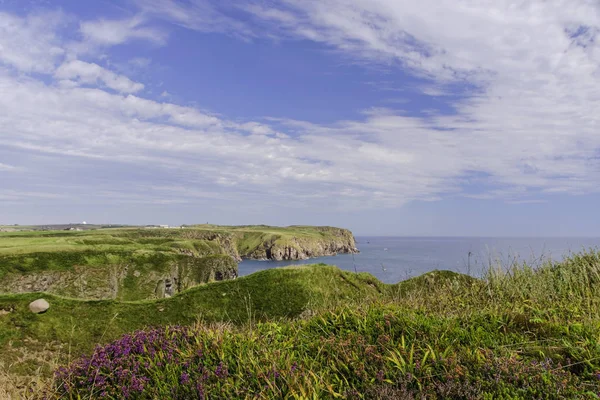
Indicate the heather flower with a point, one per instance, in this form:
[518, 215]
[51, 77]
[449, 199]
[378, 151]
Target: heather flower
[221, 371]
[185, 378]
[200, 390]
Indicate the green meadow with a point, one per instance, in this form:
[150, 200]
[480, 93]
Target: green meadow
[317, 332]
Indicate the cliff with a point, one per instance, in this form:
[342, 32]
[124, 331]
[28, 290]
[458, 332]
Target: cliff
[260, 242]
[137, 264]
[119, 276]
[298, 243]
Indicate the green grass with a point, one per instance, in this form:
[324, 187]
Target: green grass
[133, 263]
[376, 351]
[267, 295]
[319, 332]
[520, 333]
[102, 240]
[233, 240]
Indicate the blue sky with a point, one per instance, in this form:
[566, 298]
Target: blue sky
[442, 117]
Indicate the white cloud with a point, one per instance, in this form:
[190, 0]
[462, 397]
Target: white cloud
[199, 15]
[530, 128]
[140, 62]
[93, 74]
[403, 159]
[104, 32]
[532, 120]
[14, 195]
[7, 167]
[30, 44]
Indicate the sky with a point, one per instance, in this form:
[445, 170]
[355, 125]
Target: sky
[387, 117]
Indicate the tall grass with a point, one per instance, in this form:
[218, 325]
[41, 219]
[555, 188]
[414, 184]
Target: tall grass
[566, 290]
[522, 332]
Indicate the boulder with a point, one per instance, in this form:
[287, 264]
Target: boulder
[39, 306]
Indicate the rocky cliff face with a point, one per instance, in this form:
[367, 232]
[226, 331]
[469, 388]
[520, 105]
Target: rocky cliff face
[333, 241]
[126, 279]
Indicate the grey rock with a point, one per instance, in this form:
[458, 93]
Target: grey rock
[39, 306]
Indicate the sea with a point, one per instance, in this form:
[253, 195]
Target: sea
[393, 259]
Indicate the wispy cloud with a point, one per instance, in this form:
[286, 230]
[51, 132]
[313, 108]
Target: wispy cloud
[527, 201]
[105, 32]
[31, 44]
[200, 15]
[82, 72]
[7, 167]
[531, 126]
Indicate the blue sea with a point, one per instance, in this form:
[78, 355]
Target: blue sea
[392, 259]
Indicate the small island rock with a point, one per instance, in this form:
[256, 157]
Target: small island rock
[39, 306]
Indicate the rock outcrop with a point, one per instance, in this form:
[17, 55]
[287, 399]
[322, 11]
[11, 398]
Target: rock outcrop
[333, 241]
[126, 278]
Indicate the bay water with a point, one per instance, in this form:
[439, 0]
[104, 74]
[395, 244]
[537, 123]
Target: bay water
[392, 259]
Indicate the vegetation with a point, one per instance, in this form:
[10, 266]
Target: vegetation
[146, 263]
[236, 241]
[319, 332]
[519, 333]
[377, 352]
[72, 327]
[267, 295]
[118, 275]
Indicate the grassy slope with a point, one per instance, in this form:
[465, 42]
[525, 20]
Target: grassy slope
[271, 294]
[519, 334]
[373, 352]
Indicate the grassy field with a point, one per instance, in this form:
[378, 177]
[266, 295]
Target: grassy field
[233, 240]
[316, 332]
[520, 333]
[319, 332]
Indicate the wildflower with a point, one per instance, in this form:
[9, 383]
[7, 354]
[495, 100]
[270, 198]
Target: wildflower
[221, 371]
[185, 378]
[200, 390]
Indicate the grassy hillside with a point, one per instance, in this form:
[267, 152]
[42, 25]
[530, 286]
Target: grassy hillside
[32, 344]
[319, 332]
[129, 239]
[520, 333]
[375, 352]
[138, 263]
[270, 294]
